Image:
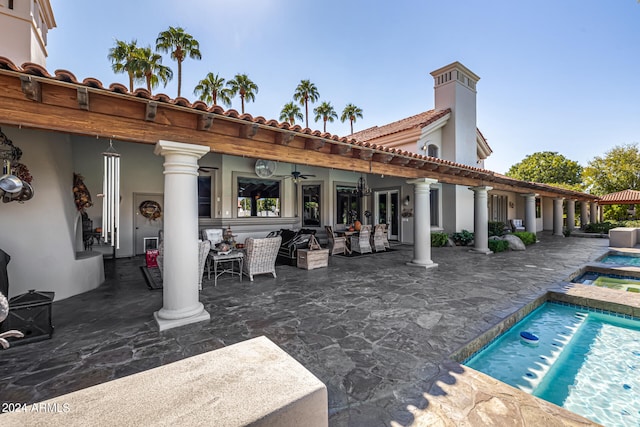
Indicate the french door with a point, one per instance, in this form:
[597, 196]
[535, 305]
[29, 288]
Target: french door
[387, 211]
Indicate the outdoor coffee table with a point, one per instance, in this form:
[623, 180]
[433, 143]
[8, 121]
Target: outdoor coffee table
[225, 263]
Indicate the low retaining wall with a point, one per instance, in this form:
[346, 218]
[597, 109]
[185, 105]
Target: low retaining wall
[250, 383]
[624, 237]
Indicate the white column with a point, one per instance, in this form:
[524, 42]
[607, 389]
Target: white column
[530, 213]
[422, 223]
[571, 214]
[594, 212]
[583, 214]
[557, 216]
[480, 220]
[180, 296]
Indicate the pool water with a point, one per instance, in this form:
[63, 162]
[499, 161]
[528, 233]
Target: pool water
[629, 260]
[586, 362]
[612, 281]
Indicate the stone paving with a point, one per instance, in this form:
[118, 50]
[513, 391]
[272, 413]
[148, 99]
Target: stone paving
[378, 333]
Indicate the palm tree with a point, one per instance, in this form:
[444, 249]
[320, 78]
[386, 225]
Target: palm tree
[181, 45]
[150, 65]
[211, 89]
[123, 58]
[290, 112]
[326, 112]
[306, 92]
[351, 112]
[241, 84]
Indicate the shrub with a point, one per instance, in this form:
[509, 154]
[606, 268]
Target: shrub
[496, 228]
[498, 245]
[527, 237]
[600, 227]
[439, 239]
[462, 238]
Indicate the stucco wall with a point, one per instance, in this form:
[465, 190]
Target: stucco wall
[40, 234]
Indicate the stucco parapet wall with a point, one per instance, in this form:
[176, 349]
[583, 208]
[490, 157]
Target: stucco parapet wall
[250, 383]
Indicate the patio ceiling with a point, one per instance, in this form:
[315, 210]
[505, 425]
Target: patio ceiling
[32, 98]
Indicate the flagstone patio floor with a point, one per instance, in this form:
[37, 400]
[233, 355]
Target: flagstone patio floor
[378, 333]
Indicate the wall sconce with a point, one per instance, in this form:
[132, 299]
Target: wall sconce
[407, 200]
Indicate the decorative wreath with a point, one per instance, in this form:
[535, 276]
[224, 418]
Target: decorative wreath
[81, 194]
[150, 210]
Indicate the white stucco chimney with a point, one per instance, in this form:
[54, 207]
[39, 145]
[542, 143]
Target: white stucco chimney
[23, 30]
[455, 88]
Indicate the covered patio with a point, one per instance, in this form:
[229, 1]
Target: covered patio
[378, 333]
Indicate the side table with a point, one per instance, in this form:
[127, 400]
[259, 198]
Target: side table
[224, 264]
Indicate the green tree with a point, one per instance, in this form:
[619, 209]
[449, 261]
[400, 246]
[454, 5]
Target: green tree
[547, 167]
[325, 112]
[150, 66]
[211, 89]
[351, 113]
[306, 92]
[617, 170]
[242, 85]
[291, 112]
[181, 45]
[122, 57]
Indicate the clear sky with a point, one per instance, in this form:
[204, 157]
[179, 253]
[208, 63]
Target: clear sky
[556, 75]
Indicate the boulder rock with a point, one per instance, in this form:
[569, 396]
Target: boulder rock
[515, 244]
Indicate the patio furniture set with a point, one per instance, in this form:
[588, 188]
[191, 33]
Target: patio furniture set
[363, 241]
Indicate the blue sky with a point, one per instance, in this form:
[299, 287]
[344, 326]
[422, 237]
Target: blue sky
[556, 75]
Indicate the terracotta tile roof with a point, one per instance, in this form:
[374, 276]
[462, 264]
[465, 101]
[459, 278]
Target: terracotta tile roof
[418, 121]
[621, 198]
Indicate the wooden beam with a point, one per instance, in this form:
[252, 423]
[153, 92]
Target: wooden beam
[341, 149]
[205, 121]
[400, 160]
[31, 88]
[314, 144]
[416, 163]
[382, 157]
[284, 138]
[83, 98]
[248, 130]
[151, 111]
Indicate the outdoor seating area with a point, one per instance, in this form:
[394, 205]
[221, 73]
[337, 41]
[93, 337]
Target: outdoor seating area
[378, 356]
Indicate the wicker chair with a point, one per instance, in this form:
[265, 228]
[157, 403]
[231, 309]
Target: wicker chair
[360, 243]
[337, 245]
[261, 256]
[378, 237]
[204, 247]
[385, 236]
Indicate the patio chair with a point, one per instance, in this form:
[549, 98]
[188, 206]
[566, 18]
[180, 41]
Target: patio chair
[213, 235]
[204, 246]
[385, 236]
[261, 256]
[377, 238]
[337, 245]
[360, 243]
[516, 225]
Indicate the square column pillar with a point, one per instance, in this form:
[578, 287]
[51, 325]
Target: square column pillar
[571, 214]
[557, 216]
[583, 214]
[422, 223]
[530, 212]
[594, 213]
[180, 294]
[480, 220]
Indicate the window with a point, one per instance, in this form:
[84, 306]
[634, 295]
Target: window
[538, 208]
[498, 208]
[10, 4]
[347, 204]
[204, 196]
[258, 197]
[432, 150]
[434, 199]
[311, 206]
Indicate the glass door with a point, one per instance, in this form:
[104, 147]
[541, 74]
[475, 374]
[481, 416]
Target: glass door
[387, 211]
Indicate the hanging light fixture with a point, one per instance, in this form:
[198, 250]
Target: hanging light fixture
[111, 202]
[362, 189]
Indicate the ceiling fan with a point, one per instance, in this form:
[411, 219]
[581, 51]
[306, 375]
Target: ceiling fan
[296, 175]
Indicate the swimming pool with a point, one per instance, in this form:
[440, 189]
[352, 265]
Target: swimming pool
[586, 362]
[618, 258]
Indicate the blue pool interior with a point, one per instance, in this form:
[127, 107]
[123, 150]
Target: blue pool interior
[584, 361]
[632, 260]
